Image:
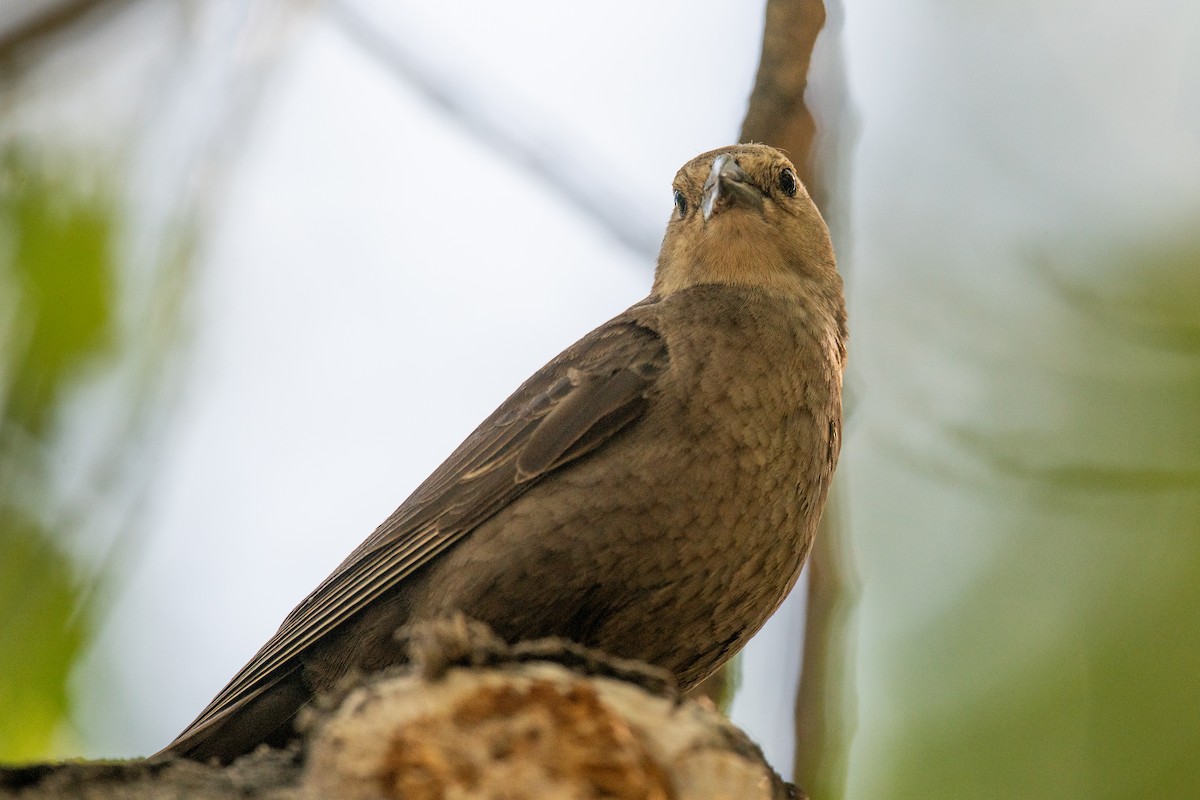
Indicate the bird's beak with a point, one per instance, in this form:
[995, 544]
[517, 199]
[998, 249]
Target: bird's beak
[728, 185]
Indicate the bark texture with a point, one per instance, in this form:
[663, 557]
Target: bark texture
[471, 717]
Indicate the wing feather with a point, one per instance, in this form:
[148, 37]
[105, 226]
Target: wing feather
[569, 408]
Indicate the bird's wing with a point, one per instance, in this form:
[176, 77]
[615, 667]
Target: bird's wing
[569, 408]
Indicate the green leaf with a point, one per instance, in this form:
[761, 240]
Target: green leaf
[42, 631]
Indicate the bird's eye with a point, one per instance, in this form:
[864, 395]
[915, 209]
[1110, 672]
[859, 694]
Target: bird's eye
[788, 183]
[680, 202]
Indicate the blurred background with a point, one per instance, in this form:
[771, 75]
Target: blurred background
[264, 263]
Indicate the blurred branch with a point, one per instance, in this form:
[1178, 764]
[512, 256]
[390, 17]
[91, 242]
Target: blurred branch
[579, 178]
[824, 703]
[779, 115]
[37, 30]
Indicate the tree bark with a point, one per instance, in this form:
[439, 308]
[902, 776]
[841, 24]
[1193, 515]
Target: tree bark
[473, 717]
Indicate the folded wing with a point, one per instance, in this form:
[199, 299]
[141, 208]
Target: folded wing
[571, 407]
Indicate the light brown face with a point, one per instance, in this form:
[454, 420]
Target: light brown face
[742, 217]
[749, 177]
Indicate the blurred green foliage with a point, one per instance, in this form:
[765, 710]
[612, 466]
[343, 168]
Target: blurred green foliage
[61, 268]
[57, 283]
[1031, 560]
[43, 628]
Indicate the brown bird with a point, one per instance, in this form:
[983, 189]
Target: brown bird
[652, 491]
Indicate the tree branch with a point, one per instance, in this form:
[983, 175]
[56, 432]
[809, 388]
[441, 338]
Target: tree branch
[17, 41]
[471, 717]
[780, 115]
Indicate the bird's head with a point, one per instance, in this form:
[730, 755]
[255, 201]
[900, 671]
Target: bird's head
[742, 217]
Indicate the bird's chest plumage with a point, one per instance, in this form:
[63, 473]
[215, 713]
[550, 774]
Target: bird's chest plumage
[735, 422]
[754, 410]
[676, 542]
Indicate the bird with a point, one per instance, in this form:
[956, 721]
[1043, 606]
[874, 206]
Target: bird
[653, 491]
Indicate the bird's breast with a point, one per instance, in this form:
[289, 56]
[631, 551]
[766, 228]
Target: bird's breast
[675, 541]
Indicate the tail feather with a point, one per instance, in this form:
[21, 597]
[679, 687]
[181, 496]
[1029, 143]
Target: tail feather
[266, 717]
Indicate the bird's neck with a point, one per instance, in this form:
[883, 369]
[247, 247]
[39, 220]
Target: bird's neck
[816, 289]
